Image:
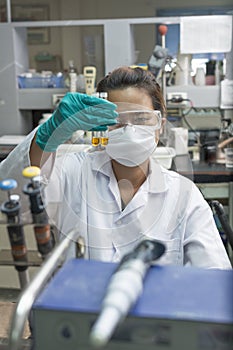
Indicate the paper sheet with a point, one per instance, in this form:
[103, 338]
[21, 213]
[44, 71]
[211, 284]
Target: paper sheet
[205, 34]
[226, 94]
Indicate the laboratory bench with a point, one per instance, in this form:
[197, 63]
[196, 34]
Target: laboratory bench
[214, 180]
[8, 299]
[202, 172]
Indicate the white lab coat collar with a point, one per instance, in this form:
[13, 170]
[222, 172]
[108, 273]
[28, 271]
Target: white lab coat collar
[156, 180]
[157, 183]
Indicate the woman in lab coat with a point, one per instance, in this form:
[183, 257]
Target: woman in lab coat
[119, 195]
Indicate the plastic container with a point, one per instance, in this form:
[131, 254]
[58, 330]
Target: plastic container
[35, 82]
[229, 157]
[200, 76]
[179, 140]
[164, 156]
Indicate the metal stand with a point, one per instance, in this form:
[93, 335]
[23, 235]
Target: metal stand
[29, 295]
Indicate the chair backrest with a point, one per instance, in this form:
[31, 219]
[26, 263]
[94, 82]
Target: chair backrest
[220, 215]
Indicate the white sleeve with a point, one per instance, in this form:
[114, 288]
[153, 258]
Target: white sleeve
[17, 160]
[203, 246]
[13, 165]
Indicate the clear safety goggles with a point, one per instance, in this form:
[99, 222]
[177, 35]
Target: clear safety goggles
[139, 117]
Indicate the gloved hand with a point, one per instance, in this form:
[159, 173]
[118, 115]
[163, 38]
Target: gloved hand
[76, 111]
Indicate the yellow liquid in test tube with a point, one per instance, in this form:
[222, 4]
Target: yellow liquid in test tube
[95, 140]
[104, 138]
[104, 141]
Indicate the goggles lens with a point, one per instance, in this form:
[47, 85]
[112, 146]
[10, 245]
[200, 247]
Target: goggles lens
[140, 117]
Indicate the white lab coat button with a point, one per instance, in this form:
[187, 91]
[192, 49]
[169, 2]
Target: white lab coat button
[119, 222]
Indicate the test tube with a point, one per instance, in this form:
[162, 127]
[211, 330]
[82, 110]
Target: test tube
[104, 138]
[103, 95]
[100, 138]
[104, 134]
[95, 135]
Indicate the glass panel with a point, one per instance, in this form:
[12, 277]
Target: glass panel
[52, 48]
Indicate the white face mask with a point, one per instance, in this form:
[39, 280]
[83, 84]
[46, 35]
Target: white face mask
[131, 145]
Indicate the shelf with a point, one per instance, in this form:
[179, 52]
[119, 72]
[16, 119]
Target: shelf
[201, 96]
[94, 22]
[207, 96]
[31, 99]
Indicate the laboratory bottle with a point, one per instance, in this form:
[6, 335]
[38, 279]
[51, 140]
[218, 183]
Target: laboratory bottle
[72, 76]
[224, 135]
[210, 72]
[183, 70]
[200, 76]
[218, 72]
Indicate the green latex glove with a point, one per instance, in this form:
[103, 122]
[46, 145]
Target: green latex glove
[76, 111]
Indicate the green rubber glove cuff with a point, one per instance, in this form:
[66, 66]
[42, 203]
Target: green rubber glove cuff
[44, 137]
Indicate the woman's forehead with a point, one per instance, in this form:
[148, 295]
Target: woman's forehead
[130, 98]
[127, 106]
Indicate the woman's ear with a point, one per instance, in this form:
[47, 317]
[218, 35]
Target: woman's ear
[157, 132]
[164, 120]
[160, 131]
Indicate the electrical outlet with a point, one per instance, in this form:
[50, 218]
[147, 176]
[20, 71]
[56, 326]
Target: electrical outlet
[178, 99]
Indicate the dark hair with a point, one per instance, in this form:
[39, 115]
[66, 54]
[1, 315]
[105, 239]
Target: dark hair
[123, 77]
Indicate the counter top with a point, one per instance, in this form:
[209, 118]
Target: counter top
[201, 172]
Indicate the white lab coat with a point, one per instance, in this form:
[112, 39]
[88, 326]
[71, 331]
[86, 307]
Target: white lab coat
[82, 191]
